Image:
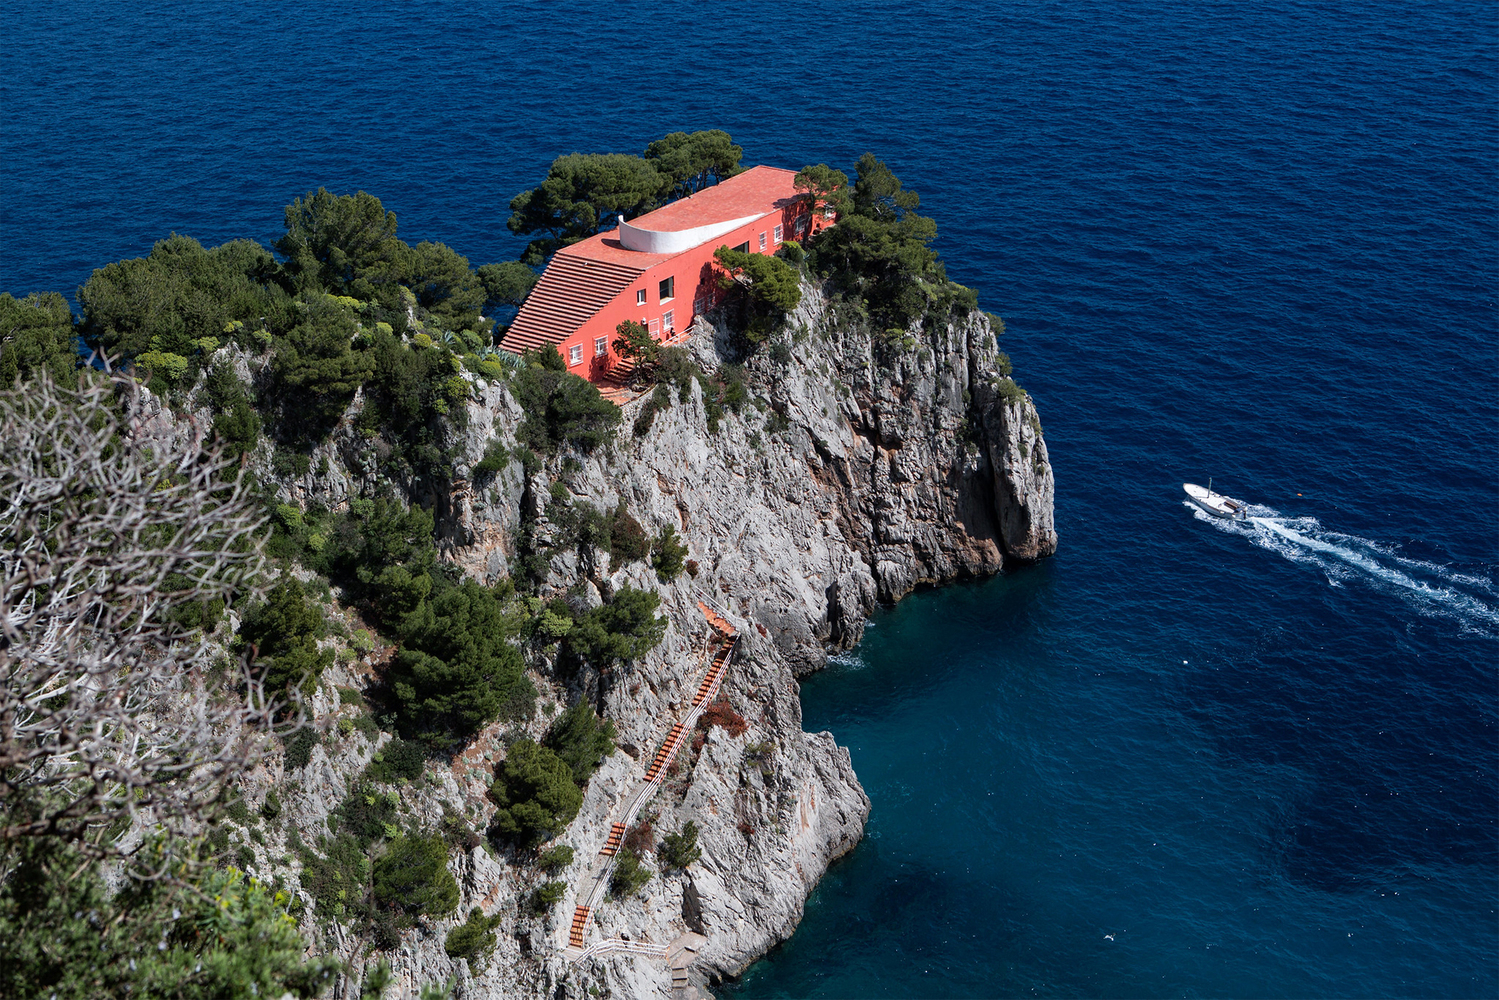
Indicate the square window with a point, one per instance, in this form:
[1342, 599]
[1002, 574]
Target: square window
[575, 354]
[654, 328]
[669, 320]
[743, 247]
[668, 288]
[600, 346]
[762, 241]
[778, 234]
[640, 297]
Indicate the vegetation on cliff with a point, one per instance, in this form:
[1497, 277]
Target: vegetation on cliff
[348, 357]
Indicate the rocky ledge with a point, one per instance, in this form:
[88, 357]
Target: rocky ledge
[858, 469]
[862, 471]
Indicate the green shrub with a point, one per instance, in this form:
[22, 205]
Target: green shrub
[630, 876]
[627, 539]
[668, 555]
[496, 457]
[546, 896]
[561, 409]
[271, 807]
[474, 938]
[40, 336]
[677, 368]
[679, 850]
[624, 629]
[238, 811]
[282, 635]
[69, 933]
[456, 667]
[413, 877]
[338, 880]
[350, 696]
[660, 400]
[366, 813]
[761, 756]
[299, 747]
[581, 739]
[1002, 364]
[456, 831]
[535, 793]
[1009, 390]
[398, 759]
[555, 859]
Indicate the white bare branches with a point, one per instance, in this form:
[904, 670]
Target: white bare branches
[106, 710]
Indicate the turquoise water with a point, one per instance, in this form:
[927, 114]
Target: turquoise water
[1248, 241]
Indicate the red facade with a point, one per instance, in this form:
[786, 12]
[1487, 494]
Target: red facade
[670, 276]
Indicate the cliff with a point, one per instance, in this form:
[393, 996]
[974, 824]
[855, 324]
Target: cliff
[858, 470]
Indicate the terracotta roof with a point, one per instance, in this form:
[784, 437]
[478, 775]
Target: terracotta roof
[581, 279]
[572, 289]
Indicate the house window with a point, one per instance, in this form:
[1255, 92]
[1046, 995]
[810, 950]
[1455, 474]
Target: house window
[800, 225]
[575, 354]
[640, 297]
[827, 213]
[600, 346]
[669, 320]
[762, 241]
[668, 288]
[778, 234]
[743, 247]
[655, 329]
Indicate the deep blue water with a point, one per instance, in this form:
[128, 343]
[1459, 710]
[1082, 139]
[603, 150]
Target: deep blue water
[1248, 241]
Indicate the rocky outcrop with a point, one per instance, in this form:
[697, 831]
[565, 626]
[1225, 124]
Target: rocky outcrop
[857, 472]
[859, 468]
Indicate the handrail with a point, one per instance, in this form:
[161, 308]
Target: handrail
[614, 946]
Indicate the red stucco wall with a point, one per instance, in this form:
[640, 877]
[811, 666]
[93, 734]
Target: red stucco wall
[696, 290]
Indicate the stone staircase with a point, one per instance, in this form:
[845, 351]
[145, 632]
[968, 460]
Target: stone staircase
[685, 948]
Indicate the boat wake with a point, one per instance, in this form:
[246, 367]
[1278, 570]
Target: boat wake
[1430, 588]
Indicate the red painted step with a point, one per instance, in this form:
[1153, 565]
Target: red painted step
[580, 924]
[664, 754]
[716, 620]
[616, 834]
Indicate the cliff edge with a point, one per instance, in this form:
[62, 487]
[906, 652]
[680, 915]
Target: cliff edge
[859, 471]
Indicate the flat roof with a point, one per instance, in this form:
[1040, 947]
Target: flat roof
[755, 192]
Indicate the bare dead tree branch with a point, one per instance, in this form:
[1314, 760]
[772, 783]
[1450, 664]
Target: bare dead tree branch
[108, 718]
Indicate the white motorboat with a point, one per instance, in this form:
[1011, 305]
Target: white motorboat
[1216, 504]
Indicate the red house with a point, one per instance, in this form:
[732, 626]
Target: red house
[657, 269]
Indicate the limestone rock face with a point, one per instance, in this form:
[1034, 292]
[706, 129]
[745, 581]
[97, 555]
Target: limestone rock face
[857, 472]
[859, 468]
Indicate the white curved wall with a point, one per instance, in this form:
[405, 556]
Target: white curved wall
[653, 241]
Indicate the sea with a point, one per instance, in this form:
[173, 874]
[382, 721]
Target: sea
[1253, 243]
